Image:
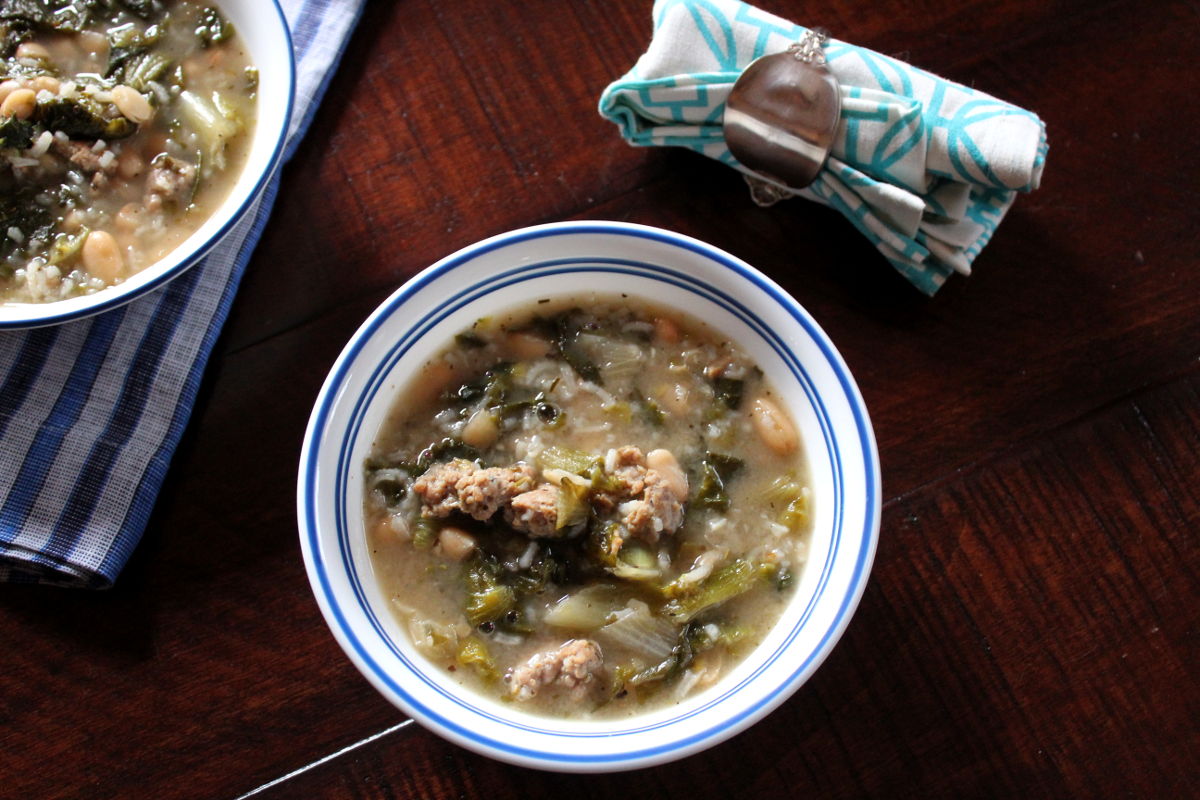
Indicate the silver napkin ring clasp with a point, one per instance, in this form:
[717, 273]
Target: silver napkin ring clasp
[781, 118]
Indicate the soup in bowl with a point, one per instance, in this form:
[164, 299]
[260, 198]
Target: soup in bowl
[133, 134]
[588, 497]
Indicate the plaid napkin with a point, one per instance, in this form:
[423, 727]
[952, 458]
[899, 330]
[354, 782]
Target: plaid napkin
[91, 411]
[923, 167]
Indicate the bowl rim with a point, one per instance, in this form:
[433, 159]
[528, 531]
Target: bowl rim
[389, 685]
[107, 302]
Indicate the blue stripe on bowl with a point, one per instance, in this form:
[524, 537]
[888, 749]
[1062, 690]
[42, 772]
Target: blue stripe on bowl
[528, 272]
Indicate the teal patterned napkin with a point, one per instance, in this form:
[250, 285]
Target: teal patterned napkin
[923, 167]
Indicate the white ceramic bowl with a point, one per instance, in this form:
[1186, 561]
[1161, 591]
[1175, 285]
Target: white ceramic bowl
[563, 259]
[261, 25]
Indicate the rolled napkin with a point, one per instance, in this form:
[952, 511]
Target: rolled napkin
[91, 411]
[923, 167]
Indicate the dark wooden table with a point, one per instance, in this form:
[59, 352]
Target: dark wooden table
[1032, 625]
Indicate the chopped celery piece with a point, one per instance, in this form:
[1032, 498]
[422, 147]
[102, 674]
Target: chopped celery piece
[637, 554]
[473, 653]
[434, 639]
[67, 246]
[636, 562]
[790, 498]
[631, 573]
[424, 533]
[726, 583]
[617, 360]
[586, 609]
[215, 122]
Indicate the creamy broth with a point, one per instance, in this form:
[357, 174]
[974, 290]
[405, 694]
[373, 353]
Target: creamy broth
[589, 507]
[123, 126]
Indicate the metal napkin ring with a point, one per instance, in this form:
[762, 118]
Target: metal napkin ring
[781, 118]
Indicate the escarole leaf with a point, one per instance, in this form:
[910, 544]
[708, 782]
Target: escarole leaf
[473, 653]
[715, 471]
[487, 598]
[213, 28]
[566, 458]
[640, 633]
[724, 584]
[21, 211]
[82, 118]
[572, 506]
[16, 133]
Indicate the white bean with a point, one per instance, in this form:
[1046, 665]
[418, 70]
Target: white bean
[773, 427]
[95, 44]
[32, 50]
[393, 527]
[527, 347]
[7, 88]
[102, 256]
[132, 104]
[19, 104]
[664, 463]
[455, 543]
[45, 83]
[666, 330]
[481, 429]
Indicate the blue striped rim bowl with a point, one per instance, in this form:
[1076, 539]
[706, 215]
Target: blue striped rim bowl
[518, 268]
[263, 29]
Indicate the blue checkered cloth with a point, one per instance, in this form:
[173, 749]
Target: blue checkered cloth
[91, 411]
[923, 167]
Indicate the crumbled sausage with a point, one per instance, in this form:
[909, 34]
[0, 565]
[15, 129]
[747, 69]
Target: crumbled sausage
[627, 468]
[83, 156]
[170, 182]
[574, 666]
[659, 510]
[482, 494]
[535, 512]
[462, 485]
[629, 456]
[650, 502]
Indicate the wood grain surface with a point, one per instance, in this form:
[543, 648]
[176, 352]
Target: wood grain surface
[1032, 624]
